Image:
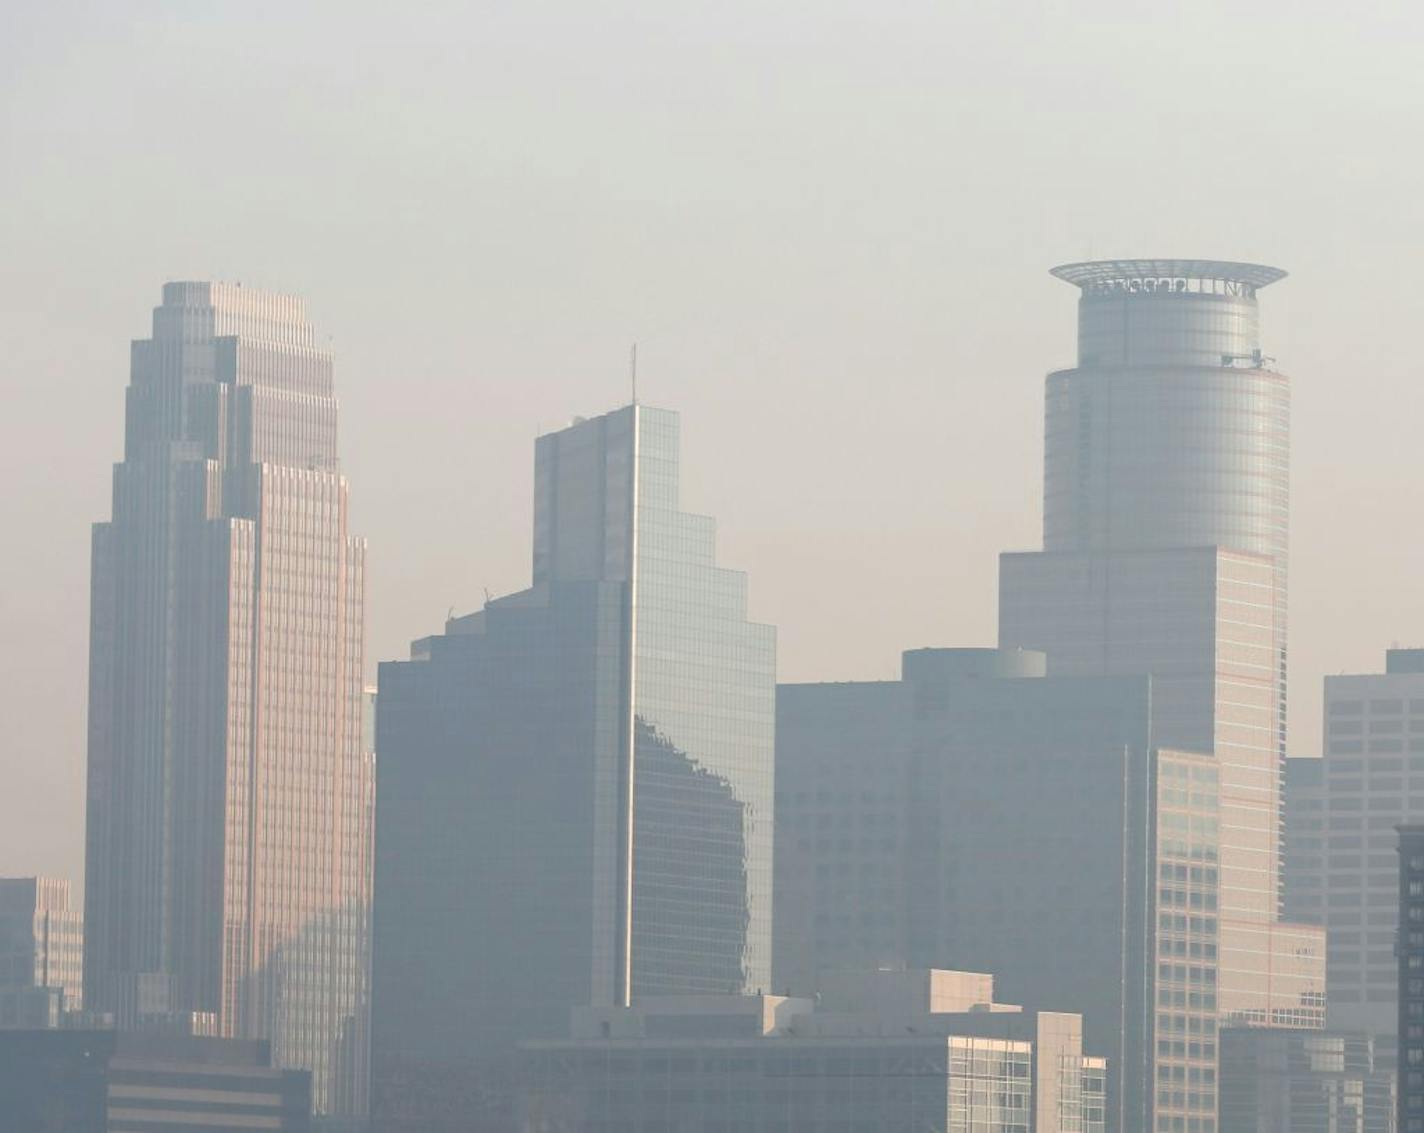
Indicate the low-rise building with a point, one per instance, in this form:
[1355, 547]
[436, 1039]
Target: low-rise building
[86, 1081]
[876, 1051]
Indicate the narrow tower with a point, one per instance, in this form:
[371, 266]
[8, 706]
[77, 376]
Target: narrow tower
[229, 796]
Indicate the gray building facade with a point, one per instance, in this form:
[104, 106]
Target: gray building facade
[876, 1051]
[82, 1081]
[949, 818]
[1341, 818]
[1410, 1007]
[229, 798]
[575, 780]
[1282, 1081]
[41, 952]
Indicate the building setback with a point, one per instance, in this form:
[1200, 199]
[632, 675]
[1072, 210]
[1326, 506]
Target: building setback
[947, 818]
[108, 1082]
[229, 798]
[1165, 529]
[575, 780]
[879, 1051]
[41, 952]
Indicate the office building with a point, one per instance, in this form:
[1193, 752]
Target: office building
[1166, 519]
[1304, 842]
[41, 953]
[84, 1081]
[1282, 1081]
[949, 817]
[1410, 1008]
[229, 798]
[1341, 817]
[880, 1051]
[575, 780]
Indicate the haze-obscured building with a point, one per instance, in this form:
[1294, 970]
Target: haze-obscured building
[978, 814]
[229, 797]
[1283, 1081]
[83, 1081]
[1341, 820]
[1165, 532]
[574, 781]
[1410, 959]
[878, 1051]
[41, 953]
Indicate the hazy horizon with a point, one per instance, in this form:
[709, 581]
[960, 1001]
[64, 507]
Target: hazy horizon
[828, 235]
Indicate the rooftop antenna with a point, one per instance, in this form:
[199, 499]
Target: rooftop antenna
[633, 371]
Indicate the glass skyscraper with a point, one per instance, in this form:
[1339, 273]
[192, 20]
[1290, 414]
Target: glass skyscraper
[229, 795]
[575, 781]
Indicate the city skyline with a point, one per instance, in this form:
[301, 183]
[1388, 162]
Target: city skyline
[863, 261]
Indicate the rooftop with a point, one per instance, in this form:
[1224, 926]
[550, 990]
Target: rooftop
[1211, 276]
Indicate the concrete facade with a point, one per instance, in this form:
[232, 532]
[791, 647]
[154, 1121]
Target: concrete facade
[877, 1051]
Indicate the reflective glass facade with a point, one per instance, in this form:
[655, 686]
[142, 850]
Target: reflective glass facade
[576, 781]
[230, 797]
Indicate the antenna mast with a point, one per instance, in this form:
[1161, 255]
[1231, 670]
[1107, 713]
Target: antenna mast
[633, 371]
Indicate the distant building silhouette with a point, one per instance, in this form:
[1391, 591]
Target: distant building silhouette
[83, 1081]
[575, 785]
[1341, 817]
[979, 814]
[229, 797]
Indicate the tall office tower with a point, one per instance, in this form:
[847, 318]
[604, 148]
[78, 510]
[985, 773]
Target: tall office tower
[1342, 864]
[1410, 1016]
[979, 814]
[229, 799]
[1166, 468]
[41, 952]
[575, 783]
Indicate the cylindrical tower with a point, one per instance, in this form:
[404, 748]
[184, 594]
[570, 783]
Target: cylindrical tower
[1173, 430]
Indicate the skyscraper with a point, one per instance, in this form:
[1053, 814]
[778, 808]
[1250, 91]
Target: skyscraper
[1166, 509]
[1165, 529]
[575, 782]
[1342, 814]
[229, 798]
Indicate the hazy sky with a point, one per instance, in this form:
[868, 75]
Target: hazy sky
[826, 224]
